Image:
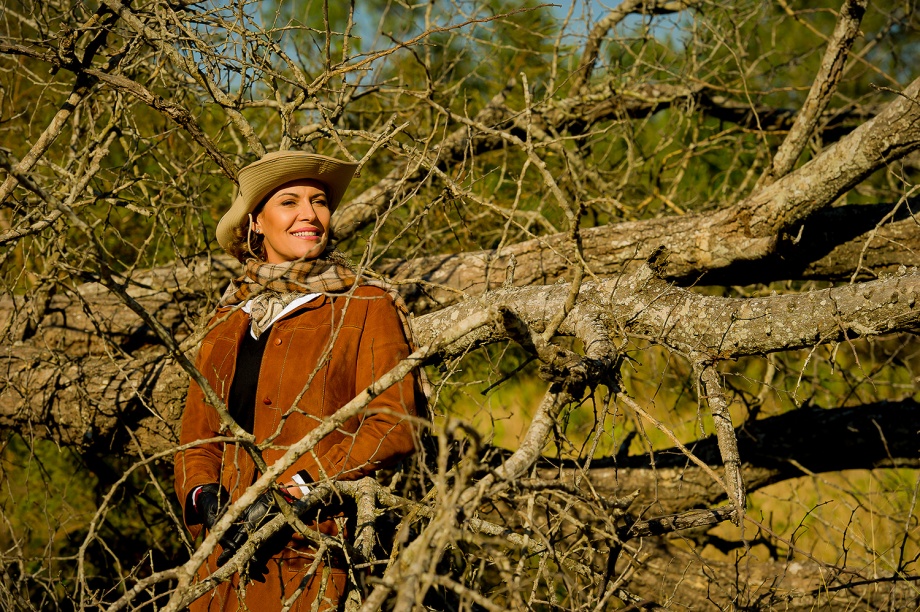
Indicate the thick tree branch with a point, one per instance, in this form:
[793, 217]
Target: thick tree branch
[725, 328]
[822, 90]
[824, 246]
[710, 386]
[575, 115]
[750, 229]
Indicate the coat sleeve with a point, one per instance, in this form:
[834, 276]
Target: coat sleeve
[385, 432]
[201, 463]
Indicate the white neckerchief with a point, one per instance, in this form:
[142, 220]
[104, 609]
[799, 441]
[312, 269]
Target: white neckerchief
[295, 304]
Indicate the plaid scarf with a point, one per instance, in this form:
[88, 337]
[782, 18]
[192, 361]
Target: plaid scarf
[271, 287]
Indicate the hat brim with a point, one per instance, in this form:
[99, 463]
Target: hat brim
[260, 178]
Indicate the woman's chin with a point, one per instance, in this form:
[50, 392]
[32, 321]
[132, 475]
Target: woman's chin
[301, 253]
[315, 252]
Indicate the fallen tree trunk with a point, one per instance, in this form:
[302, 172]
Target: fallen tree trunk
[67, 384]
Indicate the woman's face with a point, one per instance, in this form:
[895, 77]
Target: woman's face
[295, 221]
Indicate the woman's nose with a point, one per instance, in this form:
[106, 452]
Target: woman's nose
[305, 211]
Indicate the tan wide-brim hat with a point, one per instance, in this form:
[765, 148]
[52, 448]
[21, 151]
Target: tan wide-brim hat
[260, 178]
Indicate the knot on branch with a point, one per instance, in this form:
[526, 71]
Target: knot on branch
[567, 371]
[676, 522]
[66, 46]
[572, 372]
[657, 260]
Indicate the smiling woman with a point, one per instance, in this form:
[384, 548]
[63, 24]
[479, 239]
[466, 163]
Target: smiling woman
[294, 340]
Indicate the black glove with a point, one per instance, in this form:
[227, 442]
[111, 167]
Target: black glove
[257, 514]
[206, 504]
[274, 544]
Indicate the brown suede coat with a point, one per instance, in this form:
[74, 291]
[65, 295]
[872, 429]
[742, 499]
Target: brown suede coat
[317, 359]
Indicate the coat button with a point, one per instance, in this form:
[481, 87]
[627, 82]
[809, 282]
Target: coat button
[267, 401]
[277, 341]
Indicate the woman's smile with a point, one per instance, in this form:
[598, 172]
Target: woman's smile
[308, 234]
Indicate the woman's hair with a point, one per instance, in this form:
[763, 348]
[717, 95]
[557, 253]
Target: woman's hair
[243, 239]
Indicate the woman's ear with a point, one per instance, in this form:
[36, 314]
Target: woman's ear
[254, 225]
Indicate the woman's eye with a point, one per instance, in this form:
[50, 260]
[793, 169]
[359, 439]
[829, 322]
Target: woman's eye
[319, 202]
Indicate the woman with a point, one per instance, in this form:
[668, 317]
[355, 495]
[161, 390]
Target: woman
[293, 340]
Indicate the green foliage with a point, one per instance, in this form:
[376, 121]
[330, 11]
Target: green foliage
[61, 509]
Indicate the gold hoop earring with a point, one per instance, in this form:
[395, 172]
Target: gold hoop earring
[249, 236]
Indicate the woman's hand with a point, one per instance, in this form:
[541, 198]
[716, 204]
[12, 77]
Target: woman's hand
[257, 514]
[207, 504]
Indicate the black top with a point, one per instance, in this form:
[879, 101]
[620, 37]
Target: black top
[242, 400]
